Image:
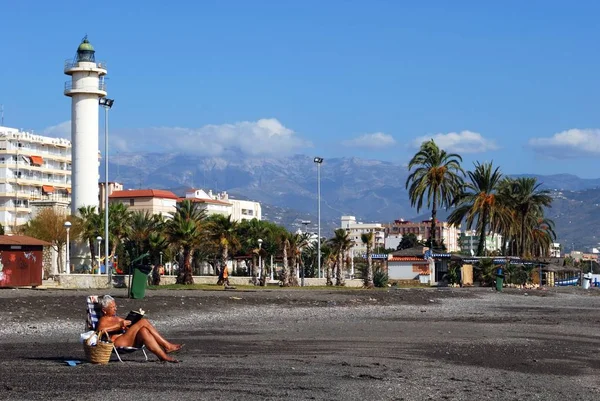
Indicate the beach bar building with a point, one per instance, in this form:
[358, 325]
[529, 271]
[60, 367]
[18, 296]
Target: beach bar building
[21, 261]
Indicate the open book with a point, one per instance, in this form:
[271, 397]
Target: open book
[135, 315]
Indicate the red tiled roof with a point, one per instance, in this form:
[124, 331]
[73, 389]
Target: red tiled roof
[21, 240]
[407, 259]
[213, 201]
[144, 193]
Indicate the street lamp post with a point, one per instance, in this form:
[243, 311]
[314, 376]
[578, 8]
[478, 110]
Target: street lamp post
[107, 104]
[260, 269]
[67, 256]
[319, 161]
[99, 239]
[161, 258]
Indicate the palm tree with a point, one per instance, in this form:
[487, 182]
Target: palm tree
[185, 232]
[90, 226]
[367, 239]
[142, 225]
[328, 257]
[284, 238]
[524, 206]
[223, 231]
[437, 176]
[118, 225]
[340, 243]
[477, 201]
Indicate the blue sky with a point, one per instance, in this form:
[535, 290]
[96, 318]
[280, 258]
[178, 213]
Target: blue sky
[515, 82]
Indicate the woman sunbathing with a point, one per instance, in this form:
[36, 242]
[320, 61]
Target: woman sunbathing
[125, 334]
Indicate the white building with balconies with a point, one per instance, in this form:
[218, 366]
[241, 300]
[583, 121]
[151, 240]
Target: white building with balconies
[32, 168]
[356, 229]
[221, 203]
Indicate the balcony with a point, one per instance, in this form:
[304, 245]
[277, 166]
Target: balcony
[71, 64]
[97, 89]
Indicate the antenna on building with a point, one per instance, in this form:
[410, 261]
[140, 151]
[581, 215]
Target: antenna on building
[1, 115]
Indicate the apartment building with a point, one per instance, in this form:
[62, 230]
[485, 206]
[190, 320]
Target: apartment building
[356, 229]
[155, 201]
[32, 168]
[469, 241]
[421, 229]
[221, 203]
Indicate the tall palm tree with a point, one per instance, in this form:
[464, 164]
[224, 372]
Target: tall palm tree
[478, 201]
[340, 243]
[118, 225]
[367, 239]
[185, 232]
[222, 229]
[90, 226]
[527, 202]
[329, 258]
[284, 238]
[437, 178]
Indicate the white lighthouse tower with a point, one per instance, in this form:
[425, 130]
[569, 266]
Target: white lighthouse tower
[85, 88]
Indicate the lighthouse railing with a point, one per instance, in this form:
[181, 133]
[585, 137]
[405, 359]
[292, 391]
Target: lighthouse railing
[70, 63]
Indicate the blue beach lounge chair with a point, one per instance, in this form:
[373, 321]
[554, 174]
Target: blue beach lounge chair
[94, 312]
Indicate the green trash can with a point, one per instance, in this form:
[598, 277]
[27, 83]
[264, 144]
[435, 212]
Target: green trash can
[139, 281]
[499, 279]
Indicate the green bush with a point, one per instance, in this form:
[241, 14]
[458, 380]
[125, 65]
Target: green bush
[380, 278]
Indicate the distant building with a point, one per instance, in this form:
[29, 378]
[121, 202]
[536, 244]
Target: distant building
[555, 250]
[356, 229]
[112, 187]
[156, 201]
[448, 233]
[32, 168]
[469, 242]
[392, 241]
[221, 203]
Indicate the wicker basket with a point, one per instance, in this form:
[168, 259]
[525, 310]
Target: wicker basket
[99, 353]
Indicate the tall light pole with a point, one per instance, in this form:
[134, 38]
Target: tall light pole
[319, 161]
[260, 269]
[99, 239]
[107, 104]
[67, 256]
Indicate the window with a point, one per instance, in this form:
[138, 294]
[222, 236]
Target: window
[131, 202]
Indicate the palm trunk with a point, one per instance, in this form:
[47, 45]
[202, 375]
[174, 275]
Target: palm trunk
[369, 282]
[294, 271]
[522, 250]
[92, 251]
[328, 275]
[481, 245]
[432, 242]
[338, 273]
[285, 273]
[185, 275]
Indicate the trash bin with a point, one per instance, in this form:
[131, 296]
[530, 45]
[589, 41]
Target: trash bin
[587, 281]
[139, 281]
[499, 279]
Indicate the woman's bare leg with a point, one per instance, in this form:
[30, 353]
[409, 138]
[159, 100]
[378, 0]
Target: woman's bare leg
[168, 346]
[130, 338]
[144, 336]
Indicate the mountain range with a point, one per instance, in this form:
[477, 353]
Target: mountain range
[371, 190]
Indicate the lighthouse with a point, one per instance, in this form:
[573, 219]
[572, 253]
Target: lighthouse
[85, 88]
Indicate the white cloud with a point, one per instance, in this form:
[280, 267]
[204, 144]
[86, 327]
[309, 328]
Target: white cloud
[262, 137]
[375, 140]
[568, 144]
[459, 142]
[61, 130]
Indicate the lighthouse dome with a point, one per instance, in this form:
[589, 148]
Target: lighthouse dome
[85, 51]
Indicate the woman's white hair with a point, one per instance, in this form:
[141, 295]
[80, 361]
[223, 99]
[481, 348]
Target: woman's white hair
[106, 300]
